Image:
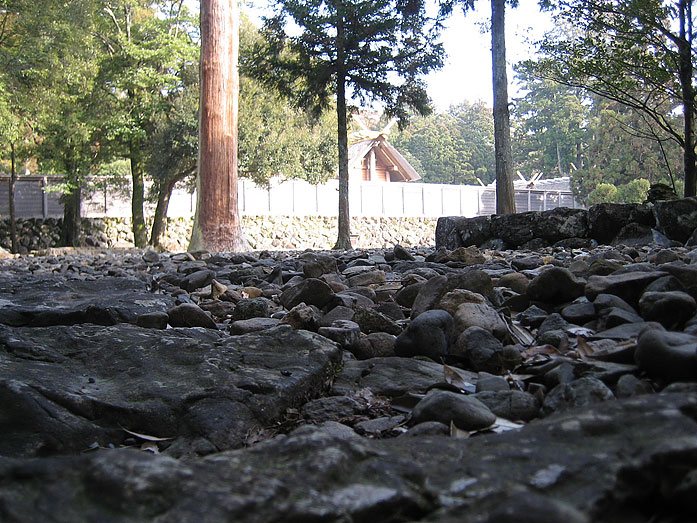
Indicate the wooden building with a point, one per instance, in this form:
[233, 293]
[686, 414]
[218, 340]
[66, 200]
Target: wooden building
[376, 160]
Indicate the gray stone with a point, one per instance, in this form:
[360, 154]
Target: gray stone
[427, 335]
[677, 219]
[302, 316]
[579, 313]
[483, 351]
[670, 356]
[390, 377]
[371, 321]
[190, 315]
[54, 300]
[374, 277]
[311, 291]
[153, 320]
[344, 332]
[65, 388]
[556, 285]
[491, 382]
[251, 308]
[606, 219]
[629, 385]
[465, 412]
[579, 393]
[671, 309]
[628, 286]
[514, 405]
[253, 325]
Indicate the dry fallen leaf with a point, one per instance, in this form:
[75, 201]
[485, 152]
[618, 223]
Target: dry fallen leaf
[458, 433]
[145, 437]
[583, 348]
[150, 446]
[547, 350]
[454, 378]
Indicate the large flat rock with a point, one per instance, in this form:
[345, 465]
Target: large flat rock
[55, 300]
[66, 388]
[631, 457]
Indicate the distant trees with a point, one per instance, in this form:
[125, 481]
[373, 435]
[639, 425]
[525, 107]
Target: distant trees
[375, 49]
[640, 54]
[455, 146]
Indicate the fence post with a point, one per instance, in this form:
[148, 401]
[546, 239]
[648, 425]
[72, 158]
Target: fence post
[544, 200]
[44, 197]
[529, 200]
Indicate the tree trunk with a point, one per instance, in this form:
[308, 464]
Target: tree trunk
[688, 96]
[158, 221]
[11, 202]
[343, 241]
[505, 196]
[217, 223]
[70, 232]
[140, 238]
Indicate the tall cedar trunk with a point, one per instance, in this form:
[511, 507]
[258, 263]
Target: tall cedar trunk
[217, 223]
[70, 232]
[343, 241]
[158, 222]
[505, 199]
[688, 96]
[11, 198]
[140, 238]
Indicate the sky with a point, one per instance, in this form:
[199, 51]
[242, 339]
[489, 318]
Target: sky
[466, 75]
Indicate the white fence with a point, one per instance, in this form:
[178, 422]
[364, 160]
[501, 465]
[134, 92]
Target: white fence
[294, 198]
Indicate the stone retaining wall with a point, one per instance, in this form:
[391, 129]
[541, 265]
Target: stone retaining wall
[261, 232]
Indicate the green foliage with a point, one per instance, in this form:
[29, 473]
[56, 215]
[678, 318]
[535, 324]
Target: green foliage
[638, 53]
[454, 147]
[380, 49]
[632, 192]
[550, 126]
[620, 147]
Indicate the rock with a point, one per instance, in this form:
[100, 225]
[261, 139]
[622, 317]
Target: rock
[428, 428]
[429, 295]
[337, 313]
[525, 263]
[514, 405]
[190, 315]
[197, 280]
[400, 253]
[251, 308]
[465, 255]
[660, 191]
[677, 219]
[253, 325]
[481, 349]
[315, 265]
[634, 235]
[390, 377]
[371, 321]
[153, 320]
[629, 385]
[455, 231]
[556, 285]
[47, 300]
[579, 313]
[311, 291]
[479, 315]
[345, 333]
[332, 408]
[578, 393]
[533, 316]
[374, 277]
[671, 309]
[606, 219]
[302, 316]
[428, 335]
[406, 296]
[628, 286]
[551, 226]
[490, 382]
[465, 412]
[85, 384]
[515, 281]
[670, 356]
